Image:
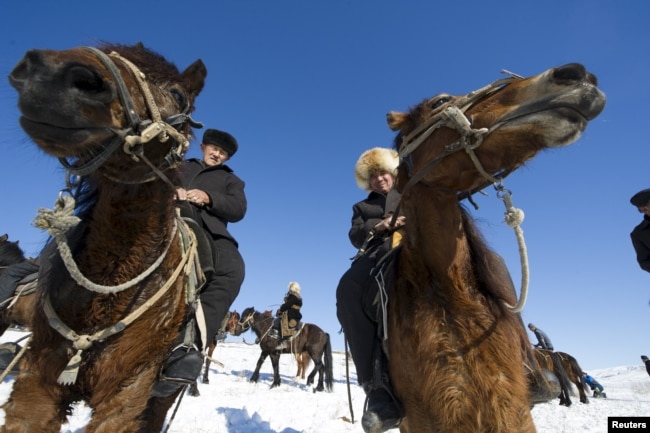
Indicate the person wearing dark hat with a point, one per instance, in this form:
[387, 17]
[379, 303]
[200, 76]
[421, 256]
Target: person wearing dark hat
[641, 234]
[212, 196]
[372, 226]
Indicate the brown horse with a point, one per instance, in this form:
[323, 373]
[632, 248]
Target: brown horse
[310, 339]
[302, 359]
[20, 307]
[118, 119]
[574, 371]
[457, 362]
[551, 361]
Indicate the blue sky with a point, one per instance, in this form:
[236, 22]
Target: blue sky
[305, 85]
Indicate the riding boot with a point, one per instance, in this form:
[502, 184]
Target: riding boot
[182, 366]
[383, 410]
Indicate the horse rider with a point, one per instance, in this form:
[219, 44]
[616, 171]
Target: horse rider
[372, 227]
[543, 341]
[289, 315]
[641, 234]
[212, 196]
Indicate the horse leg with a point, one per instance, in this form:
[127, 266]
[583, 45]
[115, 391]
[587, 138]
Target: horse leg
[256, 374]
[318, 367]
[275, 361]
[24, 403]
[193, 390]
[207, 361]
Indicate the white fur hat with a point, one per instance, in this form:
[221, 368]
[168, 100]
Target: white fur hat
[294, 287]
[372, 161]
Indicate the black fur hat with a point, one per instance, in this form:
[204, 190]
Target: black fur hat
[221, 139]
[641, 198]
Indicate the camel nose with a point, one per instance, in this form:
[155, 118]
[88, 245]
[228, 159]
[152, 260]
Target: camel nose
[574, 72]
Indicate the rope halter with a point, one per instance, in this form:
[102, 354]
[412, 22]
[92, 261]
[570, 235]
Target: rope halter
[452, 115]
[138, 131]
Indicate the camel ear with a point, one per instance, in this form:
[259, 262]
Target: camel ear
[194, 77]
[395, 120]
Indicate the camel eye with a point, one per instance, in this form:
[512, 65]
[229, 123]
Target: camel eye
[180, 98]
[438, 101]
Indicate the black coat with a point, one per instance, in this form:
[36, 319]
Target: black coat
[292, 304]
[367, 213]
[641, 242]
[227, 199]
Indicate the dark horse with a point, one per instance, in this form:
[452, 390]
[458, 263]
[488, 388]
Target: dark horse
[310, 339]
[573, 369]
[552, 362]
[456, 350]
[20, 307]
[118, 119]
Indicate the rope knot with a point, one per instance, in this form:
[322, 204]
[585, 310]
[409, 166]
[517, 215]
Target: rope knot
[514, 217]
[82, 342]
[58, 220]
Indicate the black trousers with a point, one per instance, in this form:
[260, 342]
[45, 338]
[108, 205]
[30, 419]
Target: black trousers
[354, 309]
[220, 291]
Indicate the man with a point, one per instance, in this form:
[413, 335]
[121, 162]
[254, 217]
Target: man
[212, 196]
[543, 341]
[641, 233]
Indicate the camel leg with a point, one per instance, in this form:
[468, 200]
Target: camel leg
[256, 374]
[127, 410]
[29, 397]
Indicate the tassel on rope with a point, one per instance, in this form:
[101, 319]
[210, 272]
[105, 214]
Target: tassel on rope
[69, 374]
[58, 220]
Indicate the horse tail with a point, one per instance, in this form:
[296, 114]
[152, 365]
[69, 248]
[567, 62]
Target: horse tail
[327, 354]
[573, 363]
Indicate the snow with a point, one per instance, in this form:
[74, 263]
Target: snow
[231, 404]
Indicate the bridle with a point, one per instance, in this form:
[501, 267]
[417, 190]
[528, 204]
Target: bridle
[138, 131]
[452, 115]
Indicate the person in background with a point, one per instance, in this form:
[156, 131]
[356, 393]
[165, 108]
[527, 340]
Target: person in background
[646, 361]
[641, 234]
[212, 196]
[372, 226]
[289, 312]
[596, 387]
[543, 342]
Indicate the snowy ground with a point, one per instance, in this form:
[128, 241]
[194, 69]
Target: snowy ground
[231, 404]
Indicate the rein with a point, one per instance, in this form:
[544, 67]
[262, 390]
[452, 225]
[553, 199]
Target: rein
[452, 115]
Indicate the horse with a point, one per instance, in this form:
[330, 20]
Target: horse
[310, 338]
[552, 362]
[574, 371]
[118, 118]
[20, 307]
[456, 351]
[231, 320]
[302, 359]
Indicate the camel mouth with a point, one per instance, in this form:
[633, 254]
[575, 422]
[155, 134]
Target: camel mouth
[62, 141]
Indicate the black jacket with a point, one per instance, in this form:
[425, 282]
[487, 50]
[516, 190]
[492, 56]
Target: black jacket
[367, 213]
[292, 305]
[641, 242]
[226, 191]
